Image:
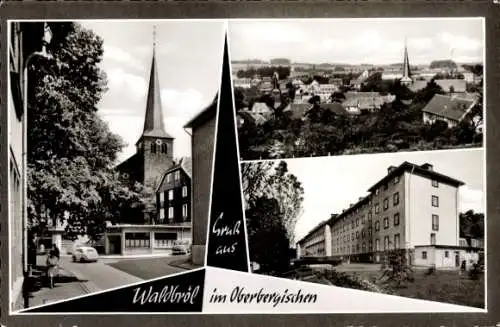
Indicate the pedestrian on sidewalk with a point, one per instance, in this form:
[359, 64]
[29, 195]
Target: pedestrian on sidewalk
[53, 264]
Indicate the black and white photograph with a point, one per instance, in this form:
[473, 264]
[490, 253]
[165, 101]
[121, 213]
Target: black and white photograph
[407, 224]
[325, 87]
[111, 135]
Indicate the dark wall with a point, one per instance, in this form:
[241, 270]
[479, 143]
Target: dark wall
[202, 152]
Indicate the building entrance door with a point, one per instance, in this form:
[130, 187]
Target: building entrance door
[457, 259]
[115, 244]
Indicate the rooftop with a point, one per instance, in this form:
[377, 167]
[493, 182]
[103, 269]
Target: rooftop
[449, 106]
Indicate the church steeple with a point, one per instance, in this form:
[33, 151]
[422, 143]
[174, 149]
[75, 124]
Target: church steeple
[406, 79]
[153, 122]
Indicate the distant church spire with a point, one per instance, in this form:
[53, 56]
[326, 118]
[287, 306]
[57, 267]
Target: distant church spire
[153, 123]
[406, 79]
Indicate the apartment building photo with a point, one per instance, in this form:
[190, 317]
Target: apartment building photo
[412, 207]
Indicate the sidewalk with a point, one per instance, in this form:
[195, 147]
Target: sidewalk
[66, 286]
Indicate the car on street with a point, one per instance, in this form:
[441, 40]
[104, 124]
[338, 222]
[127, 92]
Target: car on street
[179, 250]
[85, 254]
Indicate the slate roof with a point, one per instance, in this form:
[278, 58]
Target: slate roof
[185, 163]
[297, 110]
[451, 107]
[334, 107]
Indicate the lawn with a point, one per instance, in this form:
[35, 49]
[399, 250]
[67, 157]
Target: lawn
[445, 286]
[442, 286]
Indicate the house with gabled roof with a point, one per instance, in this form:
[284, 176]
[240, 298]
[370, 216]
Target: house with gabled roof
[450, 109]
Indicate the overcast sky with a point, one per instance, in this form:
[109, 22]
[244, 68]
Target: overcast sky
[332, 183]
[189, 60]
[356, 41]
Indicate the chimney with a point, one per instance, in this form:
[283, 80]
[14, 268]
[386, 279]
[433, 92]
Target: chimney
[427, 166]
[390, 169]
[350, 205]
[333, 216]
[360, 198]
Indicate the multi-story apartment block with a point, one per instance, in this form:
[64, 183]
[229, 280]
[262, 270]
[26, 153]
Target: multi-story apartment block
[412, 207]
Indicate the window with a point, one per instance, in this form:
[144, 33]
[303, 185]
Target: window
[352, 224]
[348, 237]
[357, 247]
[363, 220]
[357, 235]
[396, 179]
[377, 226]
[170, 212]
[169, 177]
[396, 241]
[162, 214]
[153, 147]
[357, 222]
[164, 148]
[184, 191]
[377, 245]
[363, 247]
[435, 222]
[376, 192]
[171, 194]
[184, 210]
[370, 231]
[446, 254]
[386, 243]
[370, 217]
[377, 209]
[395, 199]
[177, 175]
[344, 239]
[424, 255]
[352, 236]
[363, 233]
[352, 248]
[386, 203]
[433, 239]
[162, 197]
[386, 222]
[435, 201]
[370, 245]
[435, 183]
[396, 219]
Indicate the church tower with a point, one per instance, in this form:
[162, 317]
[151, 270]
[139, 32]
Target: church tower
[155, 146]
[406, 79]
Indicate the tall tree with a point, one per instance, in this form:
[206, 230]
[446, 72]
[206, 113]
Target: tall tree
[471, 226]
[274, 181]
[71, 149]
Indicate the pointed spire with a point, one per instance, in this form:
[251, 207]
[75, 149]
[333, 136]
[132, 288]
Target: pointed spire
[153, 123]
[406, 67]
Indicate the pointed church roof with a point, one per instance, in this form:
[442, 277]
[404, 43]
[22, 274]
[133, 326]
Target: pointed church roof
[406, 64]
[153, 123]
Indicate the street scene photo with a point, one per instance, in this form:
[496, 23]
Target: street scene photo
[325, 87]
[407, 224]
[111, 135]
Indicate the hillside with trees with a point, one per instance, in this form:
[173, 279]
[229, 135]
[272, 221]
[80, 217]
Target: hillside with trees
[397, 126]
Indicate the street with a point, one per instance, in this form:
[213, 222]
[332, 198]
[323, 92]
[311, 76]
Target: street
[77, 279]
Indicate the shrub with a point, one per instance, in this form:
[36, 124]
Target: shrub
[475, 272]
[397, 269]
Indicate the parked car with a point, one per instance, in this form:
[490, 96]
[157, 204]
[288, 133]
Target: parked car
[179, 250]
[85, 254]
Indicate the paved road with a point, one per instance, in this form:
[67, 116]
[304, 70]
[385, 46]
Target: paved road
[149, 268]
[99, 275]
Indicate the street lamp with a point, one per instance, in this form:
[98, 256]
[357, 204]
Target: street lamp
[47, 37]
